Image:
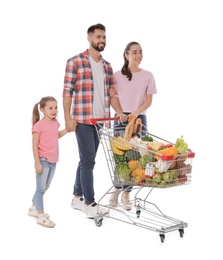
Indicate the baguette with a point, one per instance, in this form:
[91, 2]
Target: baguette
[138, 126]
[129, 129]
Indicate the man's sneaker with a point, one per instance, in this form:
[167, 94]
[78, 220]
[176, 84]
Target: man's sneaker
[113, 201]
[78, 203]
[126, 204]
[94, 210]
[44, 220]
[33, 212]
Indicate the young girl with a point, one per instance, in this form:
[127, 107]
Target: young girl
[45, 136]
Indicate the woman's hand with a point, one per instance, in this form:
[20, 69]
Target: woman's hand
[130, 116]
[122, 117]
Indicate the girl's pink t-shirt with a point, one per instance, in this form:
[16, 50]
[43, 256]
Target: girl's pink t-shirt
[132, 94]
[48, 141]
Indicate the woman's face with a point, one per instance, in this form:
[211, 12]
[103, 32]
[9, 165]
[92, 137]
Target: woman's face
[135, 55]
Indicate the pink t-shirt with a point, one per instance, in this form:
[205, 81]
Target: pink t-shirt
[132, 93]
[48, 141]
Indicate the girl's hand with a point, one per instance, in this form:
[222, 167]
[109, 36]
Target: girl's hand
[38, 167]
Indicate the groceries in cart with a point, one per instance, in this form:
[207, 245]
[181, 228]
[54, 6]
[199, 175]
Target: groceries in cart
[141, 158]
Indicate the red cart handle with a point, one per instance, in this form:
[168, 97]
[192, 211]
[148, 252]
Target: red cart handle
[95, 120]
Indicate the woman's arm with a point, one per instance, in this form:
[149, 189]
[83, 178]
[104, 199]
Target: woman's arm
[117, 107]
[144, 106]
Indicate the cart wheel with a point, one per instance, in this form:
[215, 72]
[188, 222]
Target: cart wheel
[181, 232]
[98, 221]
[162, 237]
[138, 211]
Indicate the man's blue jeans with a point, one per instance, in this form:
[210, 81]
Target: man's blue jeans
[88, 142]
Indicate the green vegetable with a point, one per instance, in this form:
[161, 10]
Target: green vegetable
[181, 145]
[142, 162]
[132, 155]
[149, 157]
[147, 138]
[123, 171]
[119, 158]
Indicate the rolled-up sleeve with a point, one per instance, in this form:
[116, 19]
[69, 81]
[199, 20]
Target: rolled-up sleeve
[69, 78]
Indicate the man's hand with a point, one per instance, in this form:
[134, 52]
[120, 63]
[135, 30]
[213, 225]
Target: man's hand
[70, 124]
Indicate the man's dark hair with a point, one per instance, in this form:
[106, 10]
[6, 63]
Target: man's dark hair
[92, 28]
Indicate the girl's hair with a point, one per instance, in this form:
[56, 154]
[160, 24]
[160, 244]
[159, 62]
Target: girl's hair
[41, 104]
[125, 69]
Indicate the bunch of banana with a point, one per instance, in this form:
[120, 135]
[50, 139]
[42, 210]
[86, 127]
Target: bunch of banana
[119, 145]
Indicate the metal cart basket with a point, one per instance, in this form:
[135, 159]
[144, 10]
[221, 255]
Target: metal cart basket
[139, 165]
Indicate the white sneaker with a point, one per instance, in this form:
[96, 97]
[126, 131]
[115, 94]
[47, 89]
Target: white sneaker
[94, 210]
[33, 213]
[113, 201]
[44, 220]
[126, 204]
[78, 203]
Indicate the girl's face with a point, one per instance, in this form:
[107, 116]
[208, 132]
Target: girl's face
[50, 110]
[135, 55]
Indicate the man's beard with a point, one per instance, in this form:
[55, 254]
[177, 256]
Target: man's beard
[97, 48]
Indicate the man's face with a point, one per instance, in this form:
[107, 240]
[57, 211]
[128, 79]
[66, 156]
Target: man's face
[97, 40]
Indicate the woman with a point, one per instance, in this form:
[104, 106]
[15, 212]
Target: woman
[135, 89]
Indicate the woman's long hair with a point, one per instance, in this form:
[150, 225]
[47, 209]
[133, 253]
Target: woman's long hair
[125, 69]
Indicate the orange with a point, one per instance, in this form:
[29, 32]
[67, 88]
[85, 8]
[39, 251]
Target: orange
[133, 164]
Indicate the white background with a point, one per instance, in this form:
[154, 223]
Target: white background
[182, 46]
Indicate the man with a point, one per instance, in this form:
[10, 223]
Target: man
[88, 92]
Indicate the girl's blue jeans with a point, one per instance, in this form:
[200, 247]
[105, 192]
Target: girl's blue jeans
[43, 181]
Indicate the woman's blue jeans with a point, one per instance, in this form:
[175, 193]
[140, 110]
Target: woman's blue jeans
[43, 181]
[88, 142]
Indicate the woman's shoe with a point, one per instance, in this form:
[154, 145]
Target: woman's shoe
[113, 201]
[126, 204]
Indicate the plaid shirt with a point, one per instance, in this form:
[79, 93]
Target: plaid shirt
[79, 84]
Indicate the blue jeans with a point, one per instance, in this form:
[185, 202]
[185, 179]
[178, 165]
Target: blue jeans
[88, 142]
[121, 126]
[43, 181]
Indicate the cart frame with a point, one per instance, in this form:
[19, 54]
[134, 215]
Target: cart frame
[144, 213]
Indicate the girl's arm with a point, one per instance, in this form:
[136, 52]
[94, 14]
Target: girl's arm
[62, 133]
[38, 165]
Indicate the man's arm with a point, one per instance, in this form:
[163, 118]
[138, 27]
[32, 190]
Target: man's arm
[69, 122]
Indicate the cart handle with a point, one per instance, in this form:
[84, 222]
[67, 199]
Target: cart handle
[95, 120]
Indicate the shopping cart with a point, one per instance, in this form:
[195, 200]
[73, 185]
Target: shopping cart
[138, 164]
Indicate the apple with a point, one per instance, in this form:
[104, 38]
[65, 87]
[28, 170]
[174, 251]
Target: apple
[166, 176]
[157, 177]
